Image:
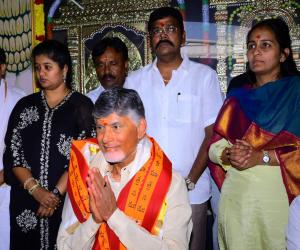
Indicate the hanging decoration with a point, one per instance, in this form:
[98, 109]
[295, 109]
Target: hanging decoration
[16, 34]
[38, 22]
[19, 31]
[38, 27]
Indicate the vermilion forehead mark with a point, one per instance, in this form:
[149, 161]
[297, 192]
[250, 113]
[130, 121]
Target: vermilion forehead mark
[104, 57]
[104, 123]
[160, 24]
[258, 36]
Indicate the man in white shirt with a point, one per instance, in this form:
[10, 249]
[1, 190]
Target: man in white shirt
[110, 57]
[182, 99]
[9, 96]
[133, 199]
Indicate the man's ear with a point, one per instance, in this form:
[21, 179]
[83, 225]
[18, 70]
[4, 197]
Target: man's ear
[183, 39]
[65, 70]
[142, 128]
[126, 68]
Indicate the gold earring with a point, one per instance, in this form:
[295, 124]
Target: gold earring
[282, 58]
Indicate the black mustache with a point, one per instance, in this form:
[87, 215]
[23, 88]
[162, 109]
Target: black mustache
[164, 41]
[108, 76]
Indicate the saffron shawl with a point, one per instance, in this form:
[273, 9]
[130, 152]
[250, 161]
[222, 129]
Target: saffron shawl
[142, 198]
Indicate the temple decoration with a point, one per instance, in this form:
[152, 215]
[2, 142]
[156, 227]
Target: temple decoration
[16, 33]
[51, 12]
[38, 22]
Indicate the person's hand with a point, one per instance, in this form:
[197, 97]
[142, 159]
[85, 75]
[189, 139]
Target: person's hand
[242, 155]
[1, 177]
[46, 198]
[93, 208]
[102, 199]
[44, 211]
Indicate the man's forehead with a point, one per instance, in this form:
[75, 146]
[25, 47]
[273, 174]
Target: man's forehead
[164, 21]
[113, 118]
[110, 54]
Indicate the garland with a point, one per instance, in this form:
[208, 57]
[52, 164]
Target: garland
[38, 22]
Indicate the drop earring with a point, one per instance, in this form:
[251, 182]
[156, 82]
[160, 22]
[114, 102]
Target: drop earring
[282, 59]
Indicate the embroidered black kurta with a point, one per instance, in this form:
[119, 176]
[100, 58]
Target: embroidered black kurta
[39, 138]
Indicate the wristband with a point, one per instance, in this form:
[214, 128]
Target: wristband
[266, 157]
[57, 193]
[189, 184]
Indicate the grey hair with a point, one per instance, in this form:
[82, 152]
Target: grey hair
[123, 102]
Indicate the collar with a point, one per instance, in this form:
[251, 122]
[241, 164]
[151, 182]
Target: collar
[100, 87]
[142, 155]
[3, 88]
[184, 66]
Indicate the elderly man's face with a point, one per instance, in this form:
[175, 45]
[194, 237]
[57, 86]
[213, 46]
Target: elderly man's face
[118, 137]
[111, 68]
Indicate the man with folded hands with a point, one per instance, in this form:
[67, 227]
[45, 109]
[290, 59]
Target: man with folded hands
[122, 191]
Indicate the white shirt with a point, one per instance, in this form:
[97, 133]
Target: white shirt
[177, 225]
[7, 103]
[94, 94]
[177, 113]
[293, 227]
[9, 96]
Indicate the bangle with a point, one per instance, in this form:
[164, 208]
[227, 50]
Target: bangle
[28, 180]
[33, 188]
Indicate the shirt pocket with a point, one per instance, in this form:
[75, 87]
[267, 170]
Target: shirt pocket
[188, 108]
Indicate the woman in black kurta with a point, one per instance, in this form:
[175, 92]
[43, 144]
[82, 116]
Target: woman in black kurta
[38, 140]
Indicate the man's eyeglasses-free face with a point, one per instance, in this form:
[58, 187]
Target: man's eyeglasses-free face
[169, 29]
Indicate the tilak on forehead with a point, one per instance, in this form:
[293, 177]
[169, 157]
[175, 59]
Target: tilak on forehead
[160, 23]
[105, 57]
[104, 123]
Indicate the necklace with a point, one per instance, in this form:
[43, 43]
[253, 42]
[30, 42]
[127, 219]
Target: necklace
[166, 80]
[56, 98]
